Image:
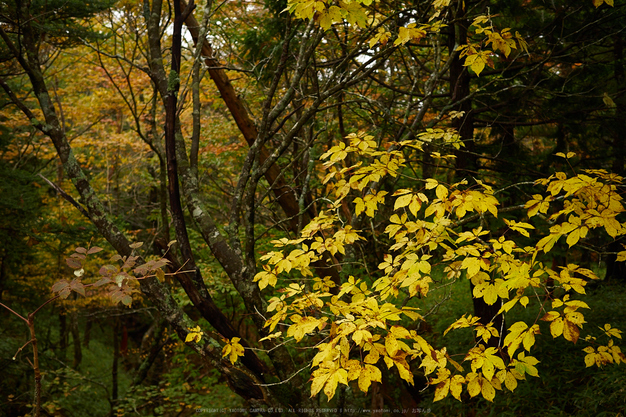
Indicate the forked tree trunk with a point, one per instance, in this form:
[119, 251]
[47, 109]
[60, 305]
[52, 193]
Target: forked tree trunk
[466, 161]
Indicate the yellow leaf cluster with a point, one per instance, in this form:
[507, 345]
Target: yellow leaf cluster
[410, 33]
[604, 355]
[369, 203]
[611, 331]
[599, 3]
[233, 349]
[569, 321]
[500, 41]
[476, 59]
[327, 14]
[520, 227]
[303, 325]
[360, 319]
[538, 204]
[520, 334]
[589, 204]
[194, 335]
[381, 36]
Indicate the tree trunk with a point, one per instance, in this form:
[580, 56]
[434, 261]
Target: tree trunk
[466, 161]
[78, 353]
[616, 271]
[87, 335]
[378, 400]
[155, 348]
[619, 135]
[114, 371]
[62, 352]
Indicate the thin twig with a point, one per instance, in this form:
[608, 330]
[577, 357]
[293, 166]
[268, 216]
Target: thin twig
[67, 197]
[285, 381]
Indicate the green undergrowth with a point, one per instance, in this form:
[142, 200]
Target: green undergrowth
[177, 382]
[565, 387]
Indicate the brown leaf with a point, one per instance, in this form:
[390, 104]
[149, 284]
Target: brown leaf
[94, 249]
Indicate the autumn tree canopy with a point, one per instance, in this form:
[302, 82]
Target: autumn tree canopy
[294, 188]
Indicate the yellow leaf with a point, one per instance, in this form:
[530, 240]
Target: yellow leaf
[368, 374]
[526, 364]
[441, 191]
[333, 15]
[391, 345]
[403, 201]
[442, 375]
[510, 381]
[608, 101]
[406, 34]
[318, 384]
[344, 347]
[361, 336]
[522, 43]
[576, 318]
[403, 37]
[404, 370]
[621, 256]
[491, 363]
[556, 328]
[547, 243]
[573, 237]
[416, 204]
[487, 390]
[514, 338]
[618, 356]
[570, 331]
[529, 340]
[271, 336]
[329, 377]
[473, 386]
[508, 305]
[442, 390]
[372, 357]
[160, 274]
[326, 354]
[490, 294]
[423, 344]
[462, 322]
[524, 301]
[353, 368]
[359, 206]
[336, 153]
[456, 386]
[355, 14]
[472, 265]
[431, 183]
[551, 316]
